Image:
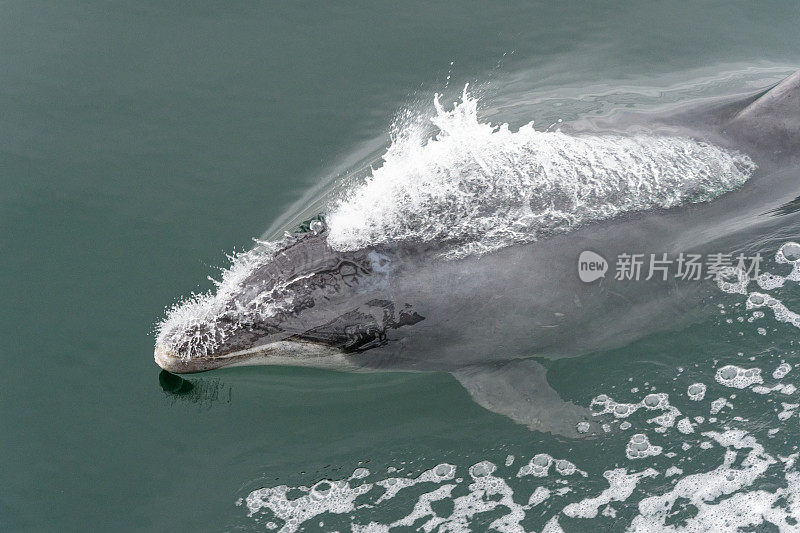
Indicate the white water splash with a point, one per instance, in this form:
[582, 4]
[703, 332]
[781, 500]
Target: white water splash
[191, 325]
[475, 187]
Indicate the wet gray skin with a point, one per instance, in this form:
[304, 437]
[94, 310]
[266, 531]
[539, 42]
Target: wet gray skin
[484, 318]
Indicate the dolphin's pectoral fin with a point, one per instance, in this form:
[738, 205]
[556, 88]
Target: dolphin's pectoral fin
[519, 390]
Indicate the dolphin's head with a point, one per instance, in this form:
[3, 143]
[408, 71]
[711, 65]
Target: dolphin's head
[297, 302]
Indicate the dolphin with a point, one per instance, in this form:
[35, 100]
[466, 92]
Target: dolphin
[493, 318]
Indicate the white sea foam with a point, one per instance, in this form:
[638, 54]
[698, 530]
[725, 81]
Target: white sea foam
[788, 410]
[696, 391]
[746, 488]
[788, 253]
[604, 404]
[539, 495]
[702, 489]
[781, 312]
[673, 471]
[685, 426]
[781, 371]
[640, 447]
[324, 497]
[620, 487]
[475, 187]
[539, 466]
[737, 377]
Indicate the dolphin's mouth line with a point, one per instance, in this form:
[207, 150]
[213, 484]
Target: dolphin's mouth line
[282, 353]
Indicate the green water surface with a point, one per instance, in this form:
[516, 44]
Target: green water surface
[141, 141]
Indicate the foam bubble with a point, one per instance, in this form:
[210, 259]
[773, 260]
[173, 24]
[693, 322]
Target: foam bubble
[732, 280]
[769, 281]
[780, 311]
[336, 497]
[393, 485]
[783, 388]
[539, 495]
[360, 473]
[790, 253]
[788, 410]
[639, 447]
[539, 466]
[604, 404]
[696, 391]
[737, 377]
[704, 489]
[621, 486]
[718, 404]
[666, 420]
[487, 492]
[565, 468]
[781, 371]
[552, 526]
[685, 426]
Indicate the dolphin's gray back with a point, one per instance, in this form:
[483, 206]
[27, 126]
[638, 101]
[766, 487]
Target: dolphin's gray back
[527, 300]
[764, 124]
[772, 120]
[423, 312]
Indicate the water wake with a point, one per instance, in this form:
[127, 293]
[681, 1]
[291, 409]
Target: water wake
[710, 476]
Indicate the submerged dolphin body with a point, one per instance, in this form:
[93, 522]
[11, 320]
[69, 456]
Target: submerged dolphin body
[399, 305]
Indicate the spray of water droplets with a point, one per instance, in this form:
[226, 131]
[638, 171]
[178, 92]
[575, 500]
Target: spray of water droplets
[475, 187]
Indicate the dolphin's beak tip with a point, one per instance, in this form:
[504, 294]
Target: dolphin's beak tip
[168, 360]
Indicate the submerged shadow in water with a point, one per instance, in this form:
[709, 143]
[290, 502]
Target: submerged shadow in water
[788, 208]
[201, 391]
